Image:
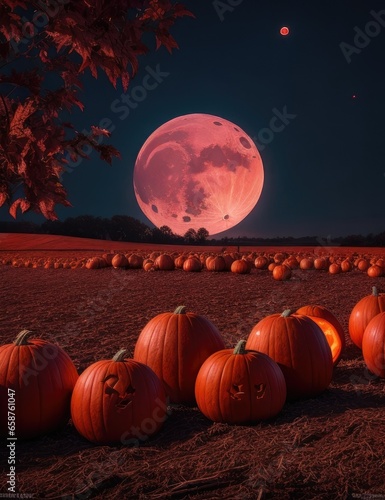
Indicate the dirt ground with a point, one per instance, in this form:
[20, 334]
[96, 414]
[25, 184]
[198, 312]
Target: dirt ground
[329, 447]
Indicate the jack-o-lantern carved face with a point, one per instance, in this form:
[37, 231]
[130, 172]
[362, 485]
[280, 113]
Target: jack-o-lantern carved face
[115, 386]
[115, 399]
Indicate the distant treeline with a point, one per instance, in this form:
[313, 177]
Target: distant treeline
[126, 228]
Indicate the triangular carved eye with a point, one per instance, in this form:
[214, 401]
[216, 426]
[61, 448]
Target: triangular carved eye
[260, 390]
[236, 391]
[112, 386]
[110, 381]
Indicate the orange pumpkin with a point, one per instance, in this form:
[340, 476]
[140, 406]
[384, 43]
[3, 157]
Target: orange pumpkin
[119, 260]
[174, 345]
[118, 401]
[374, 271]
[334, 268]
[282, 272]
[373, 345]
[320, 263]
[178, 261]
[306, 263]
[330, 326]
[363, 312]
[40, 376]
[363, 264]
[299, 347]
[240, 266]
[192, 264]
[237, 386]
[346, 266]
[215, 263]
[261, 262]
[164, 262]
[135, 261]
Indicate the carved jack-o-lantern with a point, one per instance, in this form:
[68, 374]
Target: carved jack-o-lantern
[239, 386]
[118, 400]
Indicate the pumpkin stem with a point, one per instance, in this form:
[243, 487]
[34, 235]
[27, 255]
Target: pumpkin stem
[119, 356]
[375, 291]
[22, 337]
[240, 347]
[286, 313]
[180, 310]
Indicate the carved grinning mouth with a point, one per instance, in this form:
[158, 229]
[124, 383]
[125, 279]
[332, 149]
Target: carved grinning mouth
[236, 391]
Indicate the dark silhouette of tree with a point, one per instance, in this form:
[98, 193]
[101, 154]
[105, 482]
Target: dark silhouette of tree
[196, 236]
[44, 59]
[19, 227]
[202, 235]
[126, 228]
[164, 234]
[190, 236]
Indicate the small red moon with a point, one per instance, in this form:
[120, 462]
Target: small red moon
[198, 170]
[284, 31]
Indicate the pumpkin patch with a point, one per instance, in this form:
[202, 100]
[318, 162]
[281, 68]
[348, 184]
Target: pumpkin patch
[235, 431]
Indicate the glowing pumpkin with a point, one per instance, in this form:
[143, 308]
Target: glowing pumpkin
[330, 326]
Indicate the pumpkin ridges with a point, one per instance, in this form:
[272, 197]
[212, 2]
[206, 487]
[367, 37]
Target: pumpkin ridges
[43, 382]
[225, 389]
[229, 365]
[175, 346]
[94, 407]
[373, 345]
[363, 311]
[281, 339]
[94, 380]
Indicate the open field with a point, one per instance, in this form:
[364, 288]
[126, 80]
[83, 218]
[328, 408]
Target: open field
[329, 447]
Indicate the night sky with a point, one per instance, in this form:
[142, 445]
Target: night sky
[324, 170]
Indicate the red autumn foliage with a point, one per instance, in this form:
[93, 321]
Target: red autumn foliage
[64, 38]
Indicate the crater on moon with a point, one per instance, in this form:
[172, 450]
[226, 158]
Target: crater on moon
[194, 171]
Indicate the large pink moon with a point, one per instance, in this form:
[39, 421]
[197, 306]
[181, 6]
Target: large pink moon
[198, 170]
